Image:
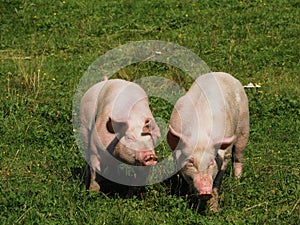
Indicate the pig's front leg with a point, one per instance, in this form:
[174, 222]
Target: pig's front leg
[214, 200]
[222, 164]
[95, 165]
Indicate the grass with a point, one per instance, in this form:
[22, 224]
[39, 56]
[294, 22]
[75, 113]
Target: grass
[45, 48]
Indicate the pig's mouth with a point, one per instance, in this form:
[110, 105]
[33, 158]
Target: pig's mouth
[205, 193]
[146, 158]
[150, 160]
[205, 196]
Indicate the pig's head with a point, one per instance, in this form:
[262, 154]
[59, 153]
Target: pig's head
[198, 160]
[137, 140]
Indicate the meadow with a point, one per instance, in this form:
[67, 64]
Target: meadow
[46, 47]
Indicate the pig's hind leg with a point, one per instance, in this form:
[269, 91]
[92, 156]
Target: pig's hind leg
[238, 162]
[238, 149]
[242, 134]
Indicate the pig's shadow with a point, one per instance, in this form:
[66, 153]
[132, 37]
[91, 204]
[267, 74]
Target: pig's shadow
[109, 188]
[179, 188]
[176, 186]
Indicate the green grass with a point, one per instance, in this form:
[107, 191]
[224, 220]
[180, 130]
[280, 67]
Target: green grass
[45, 48]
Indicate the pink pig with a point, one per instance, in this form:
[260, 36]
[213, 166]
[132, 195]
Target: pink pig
[208, 126]
[116, 118]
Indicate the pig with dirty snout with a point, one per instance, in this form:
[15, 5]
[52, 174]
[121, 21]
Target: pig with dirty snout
[116, 119]
[208, 126]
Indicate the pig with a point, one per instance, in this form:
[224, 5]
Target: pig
[208, 126]
[116, 121]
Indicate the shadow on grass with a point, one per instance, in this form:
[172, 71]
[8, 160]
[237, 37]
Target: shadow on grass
[175, 185]
[109, 188]
[179, 188]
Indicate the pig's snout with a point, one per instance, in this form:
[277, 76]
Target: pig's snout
[150, 160]
[204, 185]
[147, 158]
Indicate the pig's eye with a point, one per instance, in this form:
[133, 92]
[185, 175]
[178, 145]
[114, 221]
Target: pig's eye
[130, 138]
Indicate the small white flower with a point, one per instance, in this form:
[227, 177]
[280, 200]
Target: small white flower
[251, 85]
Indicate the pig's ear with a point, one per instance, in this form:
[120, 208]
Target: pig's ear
[225, 142]
[150, 127]
[174, 137]
[116, 127]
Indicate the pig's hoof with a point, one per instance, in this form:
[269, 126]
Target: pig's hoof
[238, 169]
[94, 186]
